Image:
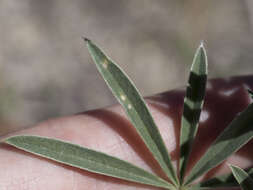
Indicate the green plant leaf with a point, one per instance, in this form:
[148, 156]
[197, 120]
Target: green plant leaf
[226, 180]
[238, 133]
[135, 108]
[84, 158]
[193, 103]
[245, 181]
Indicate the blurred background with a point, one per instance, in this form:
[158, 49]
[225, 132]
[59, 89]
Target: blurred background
[46, 71]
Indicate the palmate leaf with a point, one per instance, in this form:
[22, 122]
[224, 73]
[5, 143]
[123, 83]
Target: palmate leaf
[193, 103]
[87, 159]
[135, 107]
[226, 180]
[245, 181]
[238, 133]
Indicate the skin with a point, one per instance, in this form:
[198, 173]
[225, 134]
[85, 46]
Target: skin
[109, 131]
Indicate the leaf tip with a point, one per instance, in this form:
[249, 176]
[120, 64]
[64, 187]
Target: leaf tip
[202, 44]
[85, 39]
[233, 167]
[199, 65]
[230, 166]
[13, 140]
[203, 49]
[9, 140]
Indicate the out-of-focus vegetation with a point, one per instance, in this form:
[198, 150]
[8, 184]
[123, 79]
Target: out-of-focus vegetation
[46, 71]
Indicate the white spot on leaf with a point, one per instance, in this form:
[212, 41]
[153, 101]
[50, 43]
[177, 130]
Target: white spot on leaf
[129, 106]
[123, 97]
[105, 64]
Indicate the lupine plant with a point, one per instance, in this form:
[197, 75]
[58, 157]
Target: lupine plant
[236, 134]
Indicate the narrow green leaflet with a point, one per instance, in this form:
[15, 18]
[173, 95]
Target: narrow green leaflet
[193, 103]
[238, 133]
[90, 160]
[245, 181]
[226, 180]
[135, 107]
